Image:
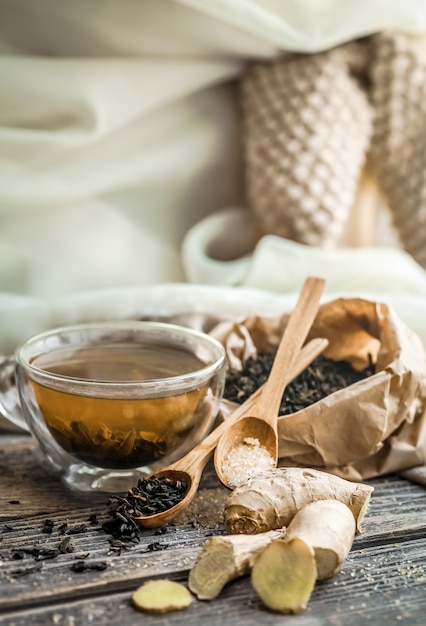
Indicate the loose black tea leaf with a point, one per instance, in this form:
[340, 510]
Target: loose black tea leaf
[48, 526]
[155, 546]
[66, 546]
[117, 543]
[151, 495]
[86, 566]
[47, 553]
[18, 555]
[321, 378]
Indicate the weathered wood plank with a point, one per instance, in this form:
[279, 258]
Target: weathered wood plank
[29, 495]
[376, 586]
[23, 477]
[393, 538]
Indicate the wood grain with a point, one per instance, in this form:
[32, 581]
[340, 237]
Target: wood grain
[383, 580]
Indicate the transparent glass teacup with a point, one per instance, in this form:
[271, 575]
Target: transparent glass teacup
[110, 402]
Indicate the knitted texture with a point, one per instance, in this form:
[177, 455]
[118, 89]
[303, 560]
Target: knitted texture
[310, 121]
[307, 126]
[398, 146]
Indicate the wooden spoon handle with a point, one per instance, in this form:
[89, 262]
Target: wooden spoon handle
[199, 455]
[298, 326]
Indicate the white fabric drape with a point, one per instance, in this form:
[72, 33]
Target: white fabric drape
[119, 134]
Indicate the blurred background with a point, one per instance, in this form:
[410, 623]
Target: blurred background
[222, 144]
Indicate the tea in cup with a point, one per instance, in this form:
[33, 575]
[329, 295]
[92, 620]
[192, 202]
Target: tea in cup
[110, 402]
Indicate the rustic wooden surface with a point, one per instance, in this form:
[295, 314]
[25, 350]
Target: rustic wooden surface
[382, 582]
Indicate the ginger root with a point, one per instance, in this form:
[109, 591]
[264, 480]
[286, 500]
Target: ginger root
[328, 526]
[271, 499]
[318, 541]
[223, 559]
[284, 575]
[161, 596]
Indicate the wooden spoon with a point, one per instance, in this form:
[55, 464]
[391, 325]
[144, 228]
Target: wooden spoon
[260, 426]
[190, 467]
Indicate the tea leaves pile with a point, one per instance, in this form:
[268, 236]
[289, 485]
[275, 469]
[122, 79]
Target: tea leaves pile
[321, 378]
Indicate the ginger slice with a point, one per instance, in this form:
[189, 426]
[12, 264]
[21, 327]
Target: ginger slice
[284, 575]
[161, 596]
[225, 558]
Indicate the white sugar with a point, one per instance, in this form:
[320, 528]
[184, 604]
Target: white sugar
[245, 460]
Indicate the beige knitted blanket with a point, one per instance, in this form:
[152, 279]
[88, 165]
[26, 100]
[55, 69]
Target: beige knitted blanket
[312, 121]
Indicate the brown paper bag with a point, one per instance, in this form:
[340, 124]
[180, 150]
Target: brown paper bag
[370, 428]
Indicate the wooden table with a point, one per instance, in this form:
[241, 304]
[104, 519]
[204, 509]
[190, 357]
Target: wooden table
[382, 582]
